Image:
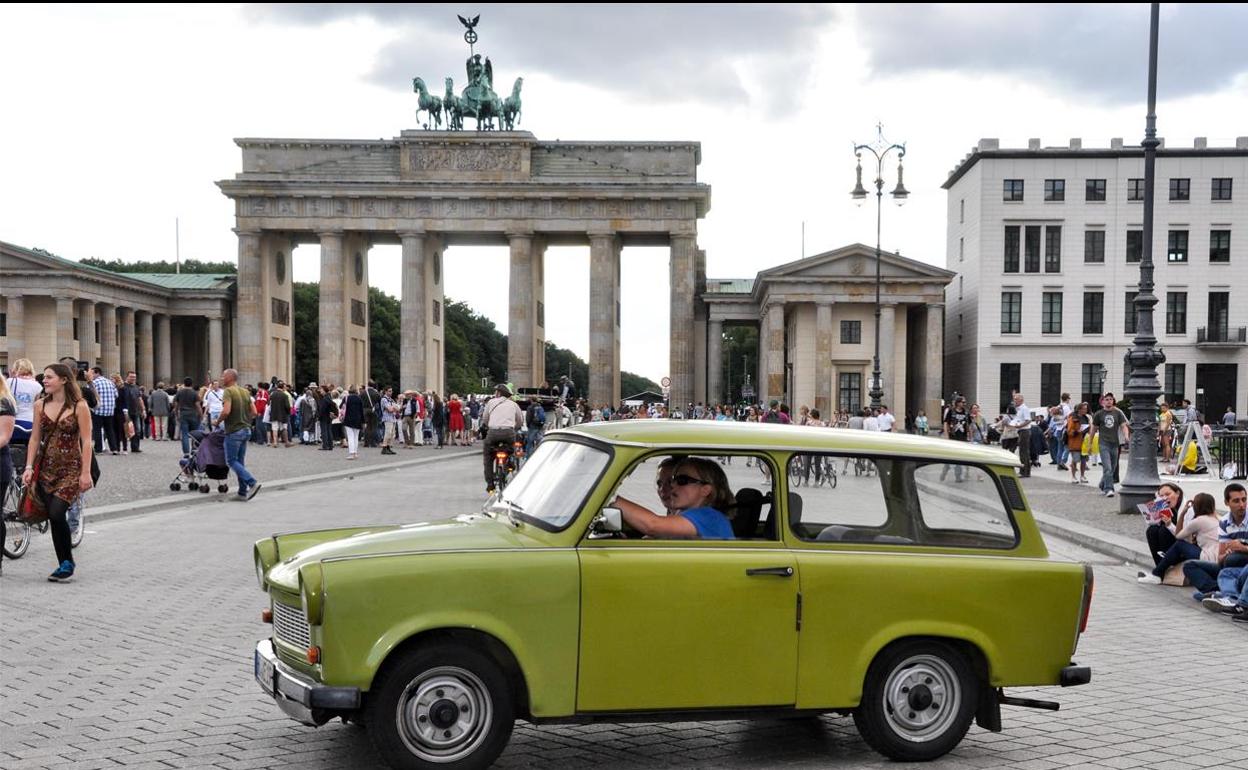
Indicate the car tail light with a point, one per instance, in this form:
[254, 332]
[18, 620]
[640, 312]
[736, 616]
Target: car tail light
[266, 615]
[314, 655]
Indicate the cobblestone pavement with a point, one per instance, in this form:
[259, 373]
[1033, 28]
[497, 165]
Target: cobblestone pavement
[144, 661]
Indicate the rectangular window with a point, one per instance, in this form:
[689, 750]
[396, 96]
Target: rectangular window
[850, 387]
[1051, 312]
[1176, 246]
[1176, 312]
[851, 332]
[1055, 189]
[1090, 383]
[1050, 384]
[1219, 245]
[1128, 326]
[856, 516]
[4, 324]
[1053, 249]
[1180, 189]
[962, 211]
[1135, 245]
[1094, 246]
[75, 328]
[1095, 190]
[97, 331]
[1219, 316]
[1013, 190]
[1135, 189]
[1176, 382]
[1221, 189]
[1031, 249]
[1011, 248]
[960, 278]
[1011, 383]
[961, 249]
[1011, 312]
[973, 516]
[1093, 312]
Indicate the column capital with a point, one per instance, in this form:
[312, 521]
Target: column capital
[517, 234]
[329, 234]
[599, 232]
[413, 232]
[241, 232]
[691, 233]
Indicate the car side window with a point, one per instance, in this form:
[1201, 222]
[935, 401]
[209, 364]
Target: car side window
[961, 506]
[845, 498]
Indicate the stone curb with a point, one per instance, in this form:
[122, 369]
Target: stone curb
[125, 510]
[1107, 543]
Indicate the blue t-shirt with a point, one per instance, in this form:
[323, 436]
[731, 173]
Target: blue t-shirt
[710, 523]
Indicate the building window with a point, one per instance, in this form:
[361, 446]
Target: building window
[1176, 246]
[1129, 322]
[1135, 245]
[97, 331]
[850, 387]
[962, 211]
[1011, 383]
[1176, 312]
[1176, 382]
[1219, 245]
[1011, 248]
[1221, 189]
[75, 329]
[1055, 189]
[1090, 384]
[1031, 249]
[1219, 316]
[1095, 190]
[851, 332]
[961, 249]
[1051, 313]
[4, 324]
[1053, 249]
[1135, 189]
[1050, 384]
[1180, 189]
[1094, 246]
[1013, 190]
[1093, 312]
[960, 279]
[1011, 312]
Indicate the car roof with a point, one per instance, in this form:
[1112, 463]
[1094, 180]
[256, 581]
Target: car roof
[729, 434]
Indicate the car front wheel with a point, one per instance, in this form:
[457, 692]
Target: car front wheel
[918, 701]
[443, 707]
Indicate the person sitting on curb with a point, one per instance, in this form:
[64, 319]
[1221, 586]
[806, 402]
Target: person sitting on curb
[1232, 544]
[1201, 526]
[1232, 594]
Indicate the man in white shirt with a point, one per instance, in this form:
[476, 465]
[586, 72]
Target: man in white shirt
[871, 422]
[1022, 421]
[502, 418]
[886, 419]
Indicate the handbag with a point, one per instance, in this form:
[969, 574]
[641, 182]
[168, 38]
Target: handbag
[32, 510]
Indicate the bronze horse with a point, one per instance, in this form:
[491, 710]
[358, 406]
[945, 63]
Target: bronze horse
[427, 103]
[511, 107]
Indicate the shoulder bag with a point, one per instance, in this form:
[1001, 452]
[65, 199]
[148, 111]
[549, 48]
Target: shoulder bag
[31, 510]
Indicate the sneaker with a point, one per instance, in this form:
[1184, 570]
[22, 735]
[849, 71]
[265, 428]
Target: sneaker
[1149, 579]
[252, 492]
[1110, 493]
[1062, 467]
[1199, 596]
[1240, 614]
[1083, 479]
[63, 573]
[1220, 604]
[1074, 481]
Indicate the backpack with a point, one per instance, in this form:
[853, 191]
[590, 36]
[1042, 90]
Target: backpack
[536, 417]
[771, 416]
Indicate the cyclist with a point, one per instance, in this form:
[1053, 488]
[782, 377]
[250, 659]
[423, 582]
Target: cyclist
[501, 419]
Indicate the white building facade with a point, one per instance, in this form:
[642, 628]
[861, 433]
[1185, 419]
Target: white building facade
[1046, 245]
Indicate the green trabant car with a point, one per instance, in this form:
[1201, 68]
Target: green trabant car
[896, 578]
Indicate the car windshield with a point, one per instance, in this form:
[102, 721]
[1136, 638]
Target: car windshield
[549, 489]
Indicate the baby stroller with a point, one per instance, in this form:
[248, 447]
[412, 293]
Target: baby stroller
[206, 461]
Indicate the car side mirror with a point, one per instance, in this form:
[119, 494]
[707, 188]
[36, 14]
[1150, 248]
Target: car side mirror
[612, 520]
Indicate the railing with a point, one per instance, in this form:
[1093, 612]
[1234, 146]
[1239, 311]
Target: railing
[1222, 334]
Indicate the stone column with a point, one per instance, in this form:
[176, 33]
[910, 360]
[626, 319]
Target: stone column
[164, 349]
[332, 364]
[714, 362]
[147, 349]
[216, 347]
[110, 360]
[771, 339]
[15, 308]
[888, 368]
[250, 324]
[413, 331]
[125, 317]
[823, 359]
[604, 319]
[65, 328]
[933, 361]
[87, 350]
[522, 319]
[680, 370]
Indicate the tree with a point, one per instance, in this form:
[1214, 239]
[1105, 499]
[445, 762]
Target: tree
[162, 266]
[740, 358]
[384, 337]
[633, 384]
[307, 312]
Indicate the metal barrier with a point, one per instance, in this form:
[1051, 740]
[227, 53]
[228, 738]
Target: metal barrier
[1233, 448]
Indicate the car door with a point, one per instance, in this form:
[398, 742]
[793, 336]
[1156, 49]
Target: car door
[686, 624]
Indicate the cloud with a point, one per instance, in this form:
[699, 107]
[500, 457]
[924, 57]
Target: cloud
[666, 53]
[1095, 50]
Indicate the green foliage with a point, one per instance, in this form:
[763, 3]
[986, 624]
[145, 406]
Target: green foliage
[163, 266]
[384, 334]
[740, 358]
[632, 384]
[561, 361]
[475, 350]
[307, 310]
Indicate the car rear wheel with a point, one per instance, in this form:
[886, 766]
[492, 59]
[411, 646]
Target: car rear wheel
[441, 706]
[918, 701]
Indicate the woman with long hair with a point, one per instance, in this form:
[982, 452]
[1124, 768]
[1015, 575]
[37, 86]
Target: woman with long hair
[1197, 539]
[24, 389]
[1161, 536]
[8, 418]
[702, 497]
[1077, 426]
[61, 443]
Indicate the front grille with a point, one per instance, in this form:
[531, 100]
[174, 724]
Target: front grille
[291, 626]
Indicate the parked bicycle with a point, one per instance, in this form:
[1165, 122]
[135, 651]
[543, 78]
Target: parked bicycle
[18, 533]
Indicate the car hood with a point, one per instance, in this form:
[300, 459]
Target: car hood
[474, 532]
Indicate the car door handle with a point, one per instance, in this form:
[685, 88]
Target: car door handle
[776, 571]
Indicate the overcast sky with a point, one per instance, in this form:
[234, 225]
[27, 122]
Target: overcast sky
[119, 119]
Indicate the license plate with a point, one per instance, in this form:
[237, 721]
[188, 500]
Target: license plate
[265, 673]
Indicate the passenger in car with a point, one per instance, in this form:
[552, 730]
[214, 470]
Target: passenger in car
[699, 494]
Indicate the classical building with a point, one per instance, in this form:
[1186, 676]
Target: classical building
[159, 326]
[1046, 243]
[816, 320]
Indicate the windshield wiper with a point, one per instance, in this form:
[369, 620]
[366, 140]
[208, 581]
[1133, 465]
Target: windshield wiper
[512, 508]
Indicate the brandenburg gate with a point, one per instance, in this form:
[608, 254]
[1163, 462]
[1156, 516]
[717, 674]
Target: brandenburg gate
[427, 190]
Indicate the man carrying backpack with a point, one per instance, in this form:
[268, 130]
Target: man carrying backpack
[535, 422]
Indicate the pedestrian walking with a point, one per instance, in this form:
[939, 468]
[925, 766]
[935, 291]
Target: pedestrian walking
[160, 411]
[237, 414]
[279, 415]
[353, 421]
[136, 412]
[1109, 427]
[389, 421]
[190, 413]
[326, 412]
[438, 414]
[1023, 423]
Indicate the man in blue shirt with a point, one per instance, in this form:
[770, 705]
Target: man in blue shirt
[102, 416]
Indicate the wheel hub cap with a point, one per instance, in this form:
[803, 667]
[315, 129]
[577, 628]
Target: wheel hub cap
[444, 714]
[922, 697]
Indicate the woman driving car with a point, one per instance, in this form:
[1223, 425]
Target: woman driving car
[699, 493]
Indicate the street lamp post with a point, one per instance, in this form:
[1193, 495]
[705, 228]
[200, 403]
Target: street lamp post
[1140, 483]
[880, 149]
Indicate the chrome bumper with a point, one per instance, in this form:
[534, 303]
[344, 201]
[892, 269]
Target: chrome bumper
[301, 698]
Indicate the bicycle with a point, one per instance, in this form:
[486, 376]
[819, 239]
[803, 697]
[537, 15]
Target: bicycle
[18, 533]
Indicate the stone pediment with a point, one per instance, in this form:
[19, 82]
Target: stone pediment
[857, 262]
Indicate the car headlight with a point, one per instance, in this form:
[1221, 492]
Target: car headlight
[312, 591]
[260, 570]
[265, 554]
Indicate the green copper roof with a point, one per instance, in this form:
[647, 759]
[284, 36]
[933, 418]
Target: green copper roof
[729, 285]
[186, 280]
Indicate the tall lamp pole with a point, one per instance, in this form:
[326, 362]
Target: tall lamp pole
[1140, 483]
[880, 149]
